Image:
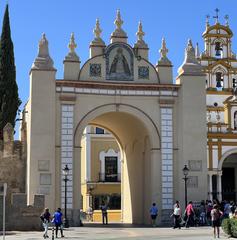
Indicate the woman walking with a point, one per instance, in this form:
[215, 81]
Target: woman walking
[45, 217]
[216, 220]
[177, 215]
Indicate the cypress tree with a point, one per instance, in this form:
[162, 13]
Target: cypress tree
[9, 99]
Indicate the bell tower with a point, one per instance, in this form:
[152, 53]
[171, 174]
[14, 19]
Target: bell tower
[218, 60]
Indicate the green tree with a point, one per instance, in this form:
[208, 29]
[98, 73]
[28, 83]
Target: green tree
[9, 99]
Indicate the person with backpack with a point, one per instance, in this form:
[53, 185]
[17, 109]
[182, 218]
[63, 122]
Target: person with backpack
[57, 220]
[45, 218]
[216, 220]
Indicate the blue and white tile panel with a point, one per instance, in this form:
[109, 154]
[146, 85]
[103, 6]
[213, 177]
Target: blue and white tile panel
[167, 157]
[67, 152]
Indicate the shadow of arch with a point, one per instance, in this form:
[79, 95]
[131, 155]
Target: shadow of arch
[111, 107]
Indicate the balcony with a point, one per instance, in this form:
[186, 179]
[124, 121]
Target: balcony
[105, 177]
[217, 127]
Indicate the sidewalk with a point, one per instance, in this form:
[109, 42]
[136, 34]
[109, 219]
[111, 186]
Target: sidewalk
[112, 232]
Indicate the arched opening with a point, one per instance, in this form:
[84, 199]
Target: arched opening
[229, 177]
[219, 80]
[135, 134]
[218, 49]
[100, 174]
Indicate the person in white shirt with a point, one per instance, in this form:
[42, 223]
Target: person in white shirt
[177, 215]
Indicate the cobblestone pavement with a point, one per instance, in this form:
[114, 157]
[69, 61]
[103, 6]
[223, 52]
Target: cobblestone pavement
[118, 233]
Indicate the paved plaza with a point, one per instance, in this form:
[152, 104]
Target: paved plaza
[123, 232]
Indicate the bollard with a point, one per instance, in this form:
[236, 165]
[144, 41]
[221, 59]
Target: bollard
[52, 233]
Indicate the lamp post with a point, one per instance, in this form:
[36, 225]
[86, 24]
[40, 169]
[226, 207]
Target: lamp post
[185, 172]
[65, 179]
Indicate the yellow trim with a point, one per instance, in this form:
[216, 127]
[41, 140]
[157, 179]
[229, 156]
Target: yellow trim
[214, 109]
[222, 143]
[219, 149]
[218, 26]
[215, 92]
[228, 135]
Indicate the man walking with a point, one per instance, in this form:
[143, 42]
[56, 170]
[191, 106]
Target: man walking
[57, 219]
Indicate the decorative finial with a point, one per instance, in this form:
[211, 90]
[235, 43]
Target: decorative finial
[97, 30]
[227, 20]
[140, 34]
[190, 66]
[217, 15]
[43, 60]
[190, 52]
[72, 56]
[118, 35]
[163, 54]
[197, 53]
[207, 20]
[72, 45]
[163, 51]
[118, 21]
[43, 46]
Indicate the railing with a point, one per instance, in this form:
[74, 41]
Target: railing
[114, 177]
[217, 127]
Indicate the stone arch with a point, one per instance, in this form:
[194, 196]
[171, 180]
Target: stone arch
[224, 156]
[139, 140]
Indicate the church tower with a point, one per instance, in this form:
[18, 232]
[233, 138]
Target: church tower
[218, 59]
[220, 66]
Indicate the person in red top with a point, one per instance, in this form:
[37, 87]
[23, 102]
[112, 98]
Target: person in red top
[190, 214]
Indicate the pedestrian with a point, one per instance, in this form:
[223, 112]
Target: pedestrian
[45, 218]
[202, 218]
[90, 214]
[177, 215]
[227, 209]
[190, 214]
[216, 220]
[209, 207]
[104, 209]
[57, 220]
[153, 214]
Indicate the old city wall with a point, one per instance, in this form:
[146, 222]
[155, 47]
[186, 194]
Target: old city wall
[19, 215]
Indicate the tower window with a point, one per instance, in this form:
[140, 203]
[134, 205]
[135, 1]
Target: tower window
[219, 80]
[218, 49]
[234, 83]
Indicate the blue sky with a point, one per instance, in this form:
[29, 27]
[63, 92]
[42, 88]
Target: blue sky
[175, 20]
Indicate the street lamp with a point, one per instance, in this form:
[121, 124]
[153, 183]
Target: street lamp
[65, 179]
[185, 172]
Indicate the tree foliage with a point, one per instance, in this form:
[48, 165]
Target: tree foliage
[9, 99]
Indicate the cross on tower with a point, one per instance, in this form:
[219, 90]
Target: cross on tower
[217, 16]
[227, 20]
